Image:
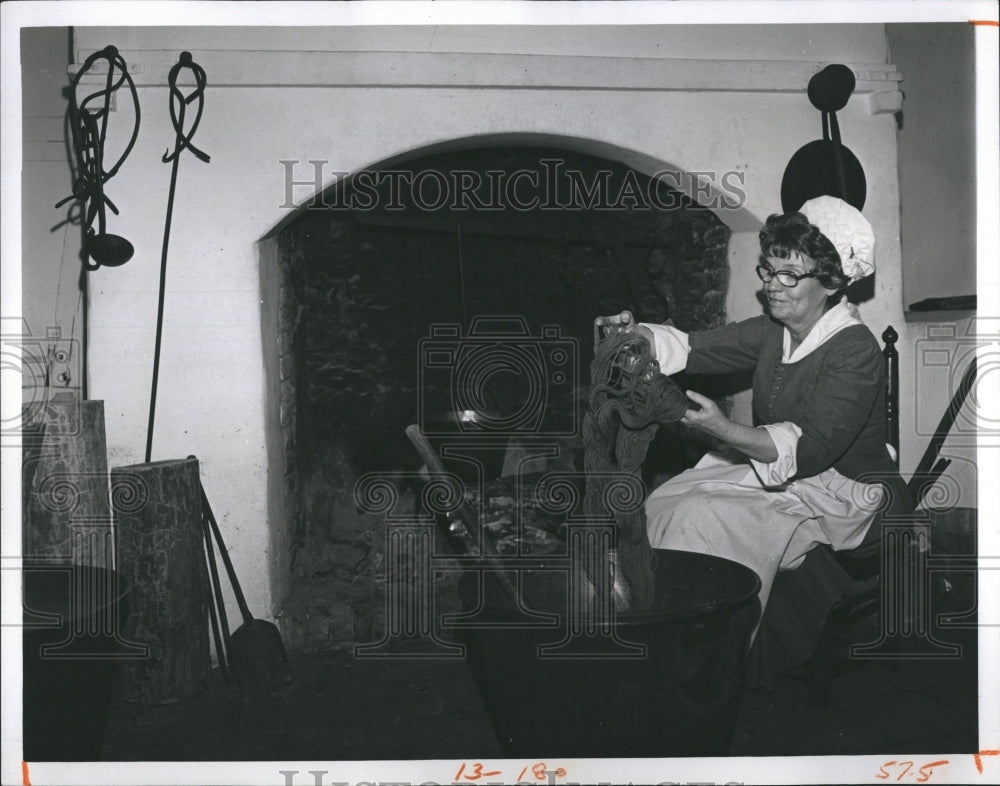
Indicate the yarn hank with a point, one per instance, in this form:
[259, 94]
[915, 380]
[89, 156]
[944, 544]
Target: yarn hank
[629, 399]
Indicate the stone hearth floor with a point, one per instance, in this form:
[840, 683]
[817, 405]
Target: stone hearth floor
[341, 708]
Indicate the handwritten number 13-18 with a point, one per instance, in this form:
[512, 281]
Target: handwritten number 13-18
[925, 771]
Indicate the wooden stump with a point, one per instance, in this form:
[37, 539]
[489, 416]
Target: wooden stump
[66, 511]
[158, 522]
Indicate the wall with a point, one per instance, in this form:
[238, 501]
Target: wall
[211, 399]
[49, 262]
[937, 158]
[934, 355]
[937, 173]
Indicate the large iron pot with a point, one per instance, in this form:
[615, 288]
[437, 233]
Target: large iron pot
[594, 697]
[72, 619]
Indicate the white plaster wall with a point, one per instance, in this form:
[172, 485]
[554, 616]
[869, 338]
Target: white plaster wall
[211, 398]
[937, 158]
[49, 255]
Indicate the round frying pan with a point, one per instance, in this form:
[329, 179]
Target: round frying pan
[825, 167]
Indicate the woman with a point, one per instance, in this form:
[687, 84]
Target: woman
[806, 473]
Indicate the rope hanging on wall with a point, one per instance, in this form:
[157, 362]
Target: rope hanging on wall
[629, 398]
[89, 125]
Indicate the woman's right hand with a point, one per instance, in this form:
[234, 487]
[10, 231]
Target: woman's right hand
[617, 323]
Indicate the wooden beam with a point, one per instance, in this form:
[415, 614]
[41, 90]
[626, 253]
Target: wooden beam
[244, 68]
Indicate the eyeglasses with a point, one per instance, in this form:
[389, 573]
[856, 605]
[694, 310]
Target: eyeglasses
[785, 277]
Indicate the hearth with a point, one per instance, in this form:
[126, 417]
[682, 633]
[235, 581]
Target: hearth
[447, 283]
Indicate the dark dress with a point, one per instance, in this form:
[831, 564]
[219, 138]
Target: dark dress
[836, 395]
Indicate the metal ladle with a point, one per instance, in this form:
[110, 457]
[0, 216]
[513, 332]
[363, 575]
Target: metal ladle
[102, 247]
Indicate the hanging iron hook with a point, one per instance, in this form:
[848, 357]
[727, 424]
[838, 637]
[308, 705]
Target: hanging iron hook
[88, 145]
[179, 103]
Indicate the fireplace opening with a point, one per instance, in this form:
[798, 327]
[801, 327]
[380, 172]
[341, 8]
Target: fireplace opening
[379, 284]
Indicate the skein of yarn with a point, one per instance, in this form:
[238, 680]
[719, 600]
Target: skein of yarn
[629, 398]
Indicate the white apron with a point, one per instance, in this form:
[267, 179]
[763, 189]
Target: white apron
[720, 507]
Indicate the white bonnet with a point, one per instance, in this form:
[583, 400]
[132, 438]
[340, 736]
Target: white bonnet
[848, 230]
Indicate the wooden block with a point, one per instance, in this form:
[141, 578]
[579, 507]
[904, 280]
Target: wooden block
[158, 521]
[66, 510]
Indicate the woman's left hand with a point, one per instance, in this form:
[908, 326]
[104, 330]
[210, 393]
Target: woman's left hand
[708, 418]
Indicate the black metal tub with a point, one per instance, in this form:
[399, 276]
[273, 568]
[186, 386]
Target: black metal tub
[662, 683]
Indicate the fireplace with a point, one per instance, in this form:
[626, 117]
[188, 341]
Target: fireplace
[704, 102]
[458, 280]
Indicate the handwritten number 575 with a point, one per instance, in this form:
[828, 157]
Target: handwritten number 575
[922, 775]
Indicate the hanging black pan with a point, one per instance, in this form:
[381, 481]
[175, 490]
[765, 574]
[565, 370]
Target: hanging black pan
[825, 167]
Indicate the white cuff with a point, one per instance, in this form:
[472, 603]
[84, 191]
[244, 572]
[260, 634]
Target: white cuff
[786, 439]
[670, 347]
